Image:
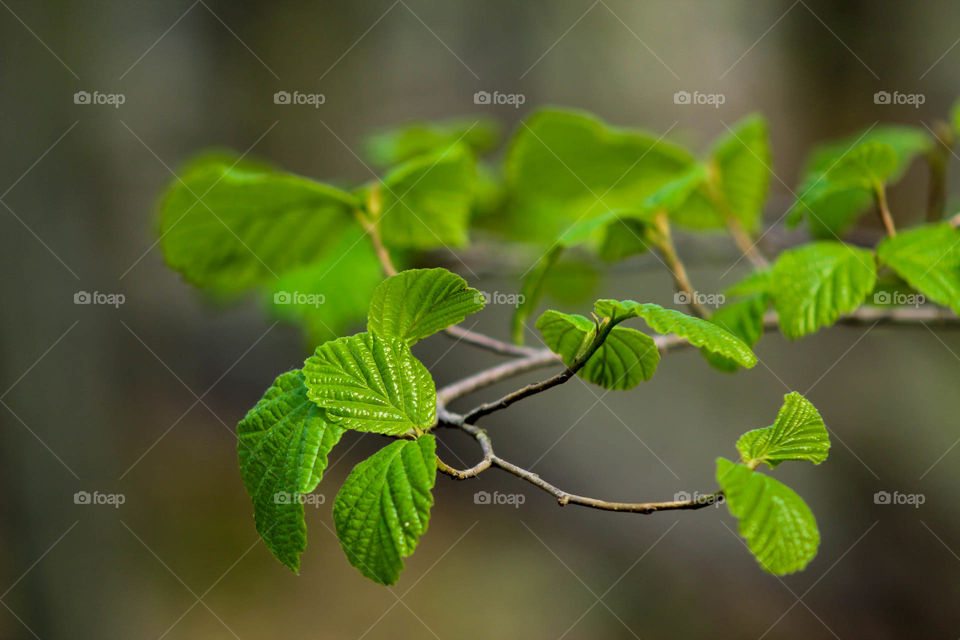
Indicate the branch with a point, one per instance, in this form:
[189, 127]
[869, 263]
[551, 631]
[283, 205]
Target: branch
[488, 343]
[679, 272]
[603, 330]
[491, 459]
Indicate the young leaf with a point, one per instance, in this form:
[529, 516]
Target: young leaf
[283, 444]
[625, 359]
[406, 142]
[227, 229]
[564, 166]
[371, 383]
[777, 524]
[624, 238]
[813, 285]
[798, 433]
[420, 302]
[384, 507]
[426, 201]
[744, 319]
[928, 258]
[867, 164]
[742, 161]
[697, 332]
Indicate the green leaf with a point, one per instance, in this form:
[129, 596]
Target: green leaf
[778, 526]
[743, 319]
[330, 296]
[697, 332]
[384, 507]
[813, 285]
[625, 359]
[564, 166]
[283, 444]
[406, 142]
[371, 383]
[624, 238]
[757, 282]
[928, 258]
[798, 433]
[866, 165]
[227, 229]
[741, 160]
[417, 303]
[426, 201]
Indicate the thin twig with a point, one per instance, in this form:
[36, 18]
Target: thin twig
[486, 342]
[679, 272]
[881, 194]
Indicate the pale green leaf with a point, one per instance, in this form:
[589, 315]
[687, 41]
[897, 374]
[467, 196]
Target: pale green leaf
[741, 160]
[778, 526]
[564, 166]
[408, 141]
[866, 165]
[928, 258]
[813, 285]
[227, 229]
[371, 383]
[420, 302]
[697, 332]
[626, 358]
[624, 238]
[426, 202]
[798, 433]
[384, 507]
[283, 444]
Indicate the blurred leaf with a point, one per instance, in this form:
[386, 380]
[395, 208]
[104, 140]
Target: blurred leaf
[625, 359]
[867, 164]
[697, 332]
[330, 296]
[564, 166]
[406, 142]
[754, 283]
[384, 507]
[283, 444]
[371, 383]
[743, 319]
[227, 230]
[420, 302]
[813, 285]
[928, 258]
[572, 281]
[426, 202]
[798, 433]
[777, 524]
[742, 162]
[624, 238]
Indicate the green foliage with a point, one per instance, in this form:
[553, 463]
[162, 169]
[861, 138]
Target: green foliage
[866, 165]
[697, 332]
[816, 283]
[372, 383]
[283, 444]
[564, 166]
[420, 302]
[626, 358]
[426, 202]
[384, 507]
[798, 433]
[777, 524]
[406, 142]
[228, 229]
[928, 258]
[741, 160]
[743, 319]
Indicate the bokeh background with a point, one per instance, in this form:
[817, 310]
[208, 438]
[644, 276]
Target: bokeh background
[142, 399]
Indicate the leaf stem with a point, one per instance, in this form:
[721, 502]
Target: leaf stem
[677, 269]
[881, 195]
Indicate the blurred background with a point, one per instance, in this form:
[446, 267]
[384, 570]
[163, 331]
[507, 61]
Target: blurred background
[141, 400]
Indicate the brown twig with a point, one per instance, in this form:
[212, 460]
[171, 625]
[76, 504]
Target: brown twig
[488, 343]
